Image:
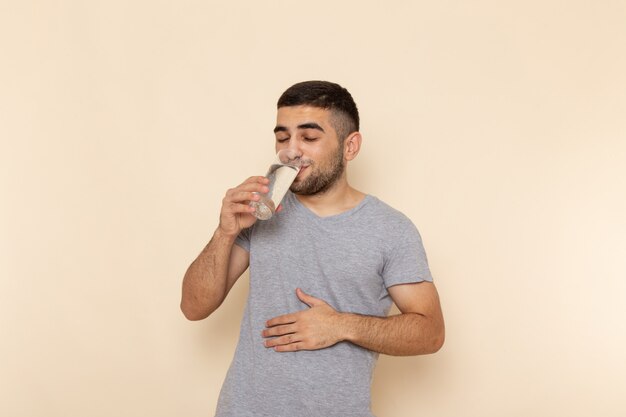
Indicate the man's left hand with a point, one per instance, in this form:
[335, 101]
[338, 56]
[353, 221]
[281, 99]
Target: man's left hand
[315, 328]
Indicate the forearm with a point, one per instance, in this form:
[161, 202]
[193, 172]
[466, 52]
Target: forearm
[398, 335]
[205, 284]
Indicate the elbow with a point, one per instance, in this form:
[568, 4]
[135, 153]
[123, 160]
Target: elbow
[431, 343]
[429, 347]
[438, 342]
[193, 314]
[431, 338]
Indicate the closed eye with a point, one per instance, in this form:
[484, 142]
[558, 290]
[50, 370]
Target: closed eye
[310, 139]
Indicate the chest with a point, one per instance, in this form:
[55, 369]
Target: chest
[342, 265]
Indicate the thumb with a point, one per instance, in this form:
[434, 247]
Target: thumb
[308, 299]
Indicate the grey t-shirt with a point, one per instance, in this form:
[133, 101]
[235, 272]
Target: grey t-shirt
[348, 260]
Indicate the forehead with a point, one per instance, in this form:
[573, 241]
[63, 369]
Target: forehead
[293, 116]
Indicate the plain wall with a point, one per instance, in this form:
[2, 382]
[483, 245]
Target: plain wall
[498, 127]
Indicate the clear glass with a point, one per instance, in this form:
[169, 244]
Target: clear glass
[281, 174]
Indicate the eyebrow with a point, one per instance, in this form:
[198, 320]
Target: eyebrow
[310, 125]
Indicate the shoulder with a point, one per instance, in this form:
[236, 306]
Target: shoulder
[383, 213]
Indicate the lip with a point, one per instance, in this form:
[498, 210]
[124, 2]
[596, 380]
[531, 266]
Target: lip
[302, 168]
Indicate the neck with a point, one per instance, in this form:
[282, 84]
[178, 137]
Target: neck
[338, 198]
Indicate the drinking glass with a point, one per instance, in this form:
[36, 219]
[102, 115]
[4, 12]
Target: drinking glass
[281, 174]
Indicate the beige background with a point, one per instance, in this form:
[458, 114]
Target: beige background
[498, 127]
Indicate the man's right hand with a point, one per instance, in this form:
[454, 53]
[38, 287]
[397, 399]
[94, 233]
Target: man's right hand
[236, 214]
[211, 276]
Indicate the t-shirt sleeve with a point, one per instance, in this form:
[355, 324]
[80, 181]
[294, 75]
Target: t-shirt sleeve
[243, 239]
[406, 261]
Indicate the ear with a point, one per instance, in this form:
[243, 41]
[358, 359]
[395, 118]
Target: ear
[352, 146]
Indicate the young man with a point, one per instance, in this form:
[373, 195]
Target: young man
[323, 274]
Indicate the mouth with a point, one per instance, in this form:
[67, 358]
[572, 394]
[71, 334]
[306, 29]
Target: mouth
[299, 174]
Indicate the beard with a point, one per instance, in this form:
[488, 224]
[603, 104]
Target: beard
[320, 181]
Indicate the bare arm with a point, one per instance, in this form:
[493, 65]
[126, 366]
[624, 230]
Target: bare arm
[214, 272]
[211, 276]
[419, 329]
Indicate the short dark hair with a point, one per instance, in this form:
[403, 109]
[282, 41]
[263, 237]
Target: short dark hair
[325, 95]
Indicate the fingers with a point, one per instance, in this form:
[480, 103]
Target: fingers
[282, 340]
[304, 330]
[246, 191]
[236, 214]
[291, 347]
[286, 340]
[308, 299]
[280, 335]
[253, 184]
[240, 208]
[278, 330]
[286, 319]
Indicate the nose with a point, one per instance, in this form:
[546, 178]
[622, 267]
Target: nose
[294, 146]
